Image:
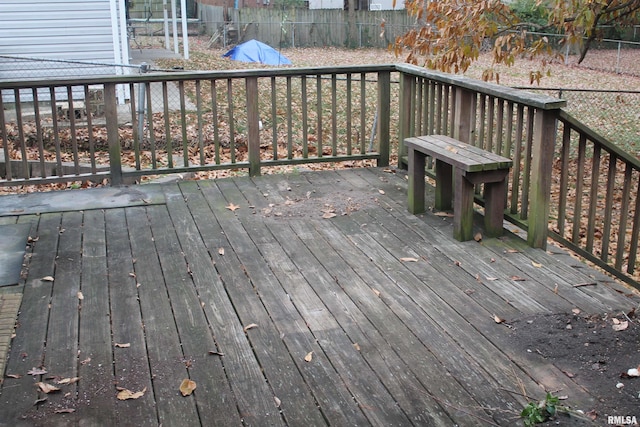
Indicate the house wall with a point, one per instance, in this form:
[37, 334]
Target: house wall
[70, 30]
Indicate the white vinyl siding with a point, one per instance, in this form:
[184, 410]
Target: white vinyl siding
[70, 30]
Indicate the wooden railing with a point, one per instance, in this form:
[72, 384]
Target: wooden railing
[190, 122]
[59, 131]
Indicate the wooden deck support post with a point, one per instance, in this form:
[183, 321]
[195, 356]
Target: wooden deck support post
[464, 115]
[253, 125]
[407, 91]
[113, 137]
[544, 137]
[384, 116]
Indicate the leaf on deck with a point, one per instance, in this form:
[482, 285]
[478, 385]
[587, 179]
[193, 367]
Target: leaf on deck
[122, 345]
[125, 394]
[47, 279]
[187, 386]
[47, 388]
[232, 207]
[250, 326]
[309, 357]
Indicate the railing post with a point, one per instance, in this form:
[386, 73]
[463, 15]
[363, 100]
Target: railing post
[384, 114]
[407, 84]
[464, 115]
[544, 137]
[113, 137]
[253, 125]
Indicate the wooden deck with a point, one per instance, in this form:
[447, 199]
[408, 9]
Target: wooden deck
[280, 316]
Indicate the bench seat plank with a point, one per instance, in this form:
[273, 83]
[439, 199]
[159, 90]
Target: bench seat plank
[460, 165]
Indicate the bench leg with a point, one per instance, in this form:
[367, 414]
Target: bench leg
[494, 194]
[463, 208]
[416, 182]
[444, 186]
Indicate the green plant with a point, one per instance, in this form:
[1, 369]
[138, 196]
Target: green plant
[539, 412]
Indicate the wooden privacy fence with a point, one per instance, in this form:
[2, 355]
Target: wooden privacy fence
[567, 182]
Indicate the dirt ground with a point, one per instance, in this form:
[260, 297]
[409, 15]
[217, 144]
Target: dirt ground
[593, 354]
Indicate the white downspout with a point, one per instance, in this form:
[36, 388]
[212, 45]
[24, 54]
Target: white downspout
[185, 31]
[174, 12]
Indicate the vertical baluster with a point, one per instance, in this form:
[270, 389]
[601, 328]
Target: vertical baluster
[564, 177]
[349, 112]
[26, 173]
[593, 197]
[432, 108]
[253, 125]
[232, 131]
[635, 232]
[577, 207]
[91, 139]
[56, 133]
[418, 111]
[608, 208]
[624, 213]
[526, 173]
[363, 113]
[150, 126]
[39, 137]
[334, 115]
[499, 127]
[214, 113]
[183, 121]
[72, 130]
[305, 118]
[517, 159]
[5, 142]
[445, 109]
[439, 110]
[274, 118]
[168, 138]
[491, 116]
[482, 120]
[319, 112]
[289, 120]
[200, 123]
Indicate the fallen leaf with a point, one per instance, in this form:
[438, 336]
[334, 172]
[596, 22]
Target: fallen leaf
[122, 345]
[356, 346]
[492, 260]
[409, 259]
[66, 381]
[39, 401]
[555, 289]
[498, 319]
[328, 215]
[37, 371]
[592, 414]
[221, 251]
[80, 296]
[47, 388]
[621, 326]
[491, 279]
[125, 394]
[477, 237]
[575, 311]
[250, 326]
[517, 279]
[64, 411]
[47, 279]
[569, 374]
[215, 353]
[232, 207]
[85, 361]
[381, 191]
[512, 251]
[444, 214]
[14, 376]
[536, 264]
[278, 402]
[132, 274]
[308, 357]
[377, 292]
[187, 386]
[633, 372]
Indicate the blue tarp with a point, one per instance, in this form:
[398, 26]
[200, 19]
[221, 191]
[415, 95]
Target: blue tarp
[255, 51]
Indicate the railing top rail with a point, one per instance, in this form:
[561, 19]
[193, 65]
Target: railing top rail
[194, 75]
[542, 102]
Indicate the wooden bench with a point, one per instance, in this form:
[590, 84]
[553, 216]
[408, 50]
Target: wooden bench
[464, 165]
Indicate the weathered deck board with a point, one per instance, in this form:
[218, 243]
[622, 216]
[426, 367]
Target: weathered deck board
[392, 341]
